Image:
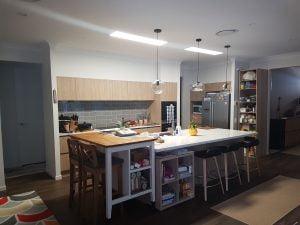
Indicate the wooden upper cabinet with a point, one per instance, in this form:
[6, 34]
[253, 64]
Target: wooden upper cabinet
[66, 88]
[119, 90]
[169, 92]
[139, 91]
[104, 89]
[86, 89]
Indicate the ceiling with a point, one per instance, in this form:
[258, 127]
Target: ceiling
[266, 27]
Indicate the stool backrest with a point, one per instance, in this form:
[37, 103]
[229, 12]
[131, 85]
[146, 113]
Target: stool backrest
[74, 149]
[89, 154]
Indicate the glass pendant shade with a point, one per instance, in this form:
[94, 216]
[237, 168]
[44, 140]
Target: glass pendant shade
[225, 89]
[157, 84]
[157, 87]
[198, 86]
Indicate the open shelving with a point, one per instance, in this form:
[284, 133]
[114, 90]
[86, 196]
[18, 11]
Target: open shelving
[176, 188]
[252, 109]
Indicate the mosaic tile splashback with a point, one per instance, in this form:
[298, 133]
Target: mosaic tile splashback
[104, 114]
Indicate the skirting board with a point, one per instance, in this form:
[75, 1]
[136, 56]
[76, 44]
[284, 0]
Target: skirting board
[59, 177]
[3, 188]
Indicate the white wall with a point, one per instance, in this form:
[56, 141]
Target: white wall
[20, 53]
[89, 64]
[51, 117]
[277, 61]
[210, 73]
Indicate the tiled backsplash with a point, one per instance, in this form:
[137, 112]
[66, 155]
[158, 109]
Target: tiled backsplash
[104, 114]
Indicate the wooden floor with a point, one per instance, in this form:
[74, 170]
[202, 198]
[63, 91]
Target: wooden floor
[195, 212]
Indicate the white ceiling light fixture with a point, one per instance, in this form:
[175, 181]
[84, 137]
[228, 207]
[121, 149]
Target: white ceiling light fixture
[228, 32]
[203, 51]
[198, 86]
[157, 84]
[137, 38]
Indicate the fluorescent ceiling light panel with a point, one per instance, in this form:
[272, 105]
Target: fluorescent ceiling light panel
[137, 38]
[203, 50]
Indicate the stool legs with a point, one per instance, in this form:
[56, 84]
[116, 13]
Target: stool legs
[72, 188]
[205, 179]
[219, 174]
[226, 171]
[257, 164]
[247, 164]
[237, 167]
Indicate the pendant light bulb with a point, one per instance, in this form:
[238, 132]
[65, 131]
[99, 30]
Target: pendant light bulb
[157, 84]
[198, 86]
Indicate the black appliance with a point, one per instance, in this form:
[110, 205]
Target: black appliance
[165, 124]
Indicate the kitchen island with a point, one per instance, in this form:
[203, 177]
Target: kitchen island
[204, 136]
[110, 144]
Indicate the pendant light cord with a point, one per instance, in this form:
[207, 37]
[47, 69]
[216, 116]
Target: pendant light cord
[157, 57]
[226, 66]
[227, 48]
[198, 65]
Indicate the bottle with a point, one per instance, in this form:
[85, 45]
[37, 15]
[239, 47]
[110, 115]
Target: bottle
[178, 130]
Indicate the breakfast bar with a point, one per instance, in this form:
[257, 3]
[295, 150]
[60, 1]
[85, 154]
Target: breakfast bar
[124, 147]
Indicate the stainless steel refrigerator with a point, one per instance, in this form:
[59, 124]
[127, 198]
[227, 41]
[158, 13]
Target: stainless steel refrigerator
[216, 110]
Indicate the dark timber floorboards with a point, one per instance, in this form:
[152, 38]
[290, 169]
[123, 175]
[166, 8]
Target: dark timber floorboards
[196, 211]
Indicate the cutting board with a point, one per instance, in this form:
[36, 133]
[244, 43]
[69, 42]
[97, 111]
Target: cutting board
[109, 140]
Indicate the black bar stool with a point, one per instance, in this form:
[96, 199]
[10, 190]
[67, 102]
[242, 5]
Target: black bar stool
[209, 153]
[232, 148]
[250, 143]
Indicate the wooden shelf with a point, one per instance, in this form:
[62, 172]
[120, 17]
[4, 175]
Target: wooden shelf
[173, 186]
[246, 89]
[243, 102]
[140, 169]
[248, 112]
[248, 81]
[170, 181]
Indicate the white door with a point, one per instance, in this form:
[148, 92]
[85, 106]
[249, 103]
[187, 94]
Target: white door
[29, 106]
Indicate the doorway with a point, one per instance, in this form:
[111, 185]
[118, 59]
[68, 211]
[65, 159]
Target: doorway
[21, 105]
[285, 110]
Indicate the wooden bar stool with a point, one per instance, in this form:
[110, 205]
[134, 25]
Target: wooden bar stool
[93, 162]
[205, 155]
[250, 143]
[75, 170]
[232, 148]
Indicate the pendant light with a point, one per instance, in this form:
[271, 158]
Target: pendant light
[198, 86]
[157, 84]
[225, 90]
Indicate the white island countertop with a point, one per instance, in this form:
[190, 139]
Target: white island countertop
[205, 136]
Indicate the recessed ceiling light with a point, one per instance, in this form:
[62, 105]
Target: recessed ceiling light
[222, 33]
[137, 38]
[203, 50]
